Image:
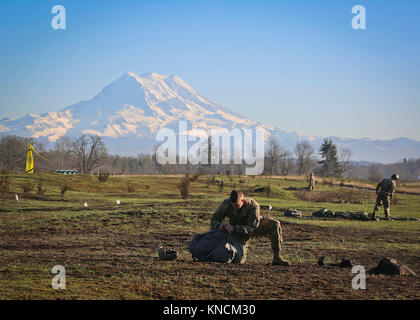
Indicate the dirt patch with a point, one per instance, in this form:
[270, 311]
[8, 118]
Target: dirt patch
[113, 257]
[353, 196]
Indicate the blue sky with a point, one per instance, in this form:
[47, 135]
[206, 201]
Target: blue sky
[297, 65]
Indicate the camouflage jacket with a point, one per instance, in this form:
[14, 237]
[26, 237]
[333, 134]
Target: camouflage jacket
[245, 220]
[387, 185]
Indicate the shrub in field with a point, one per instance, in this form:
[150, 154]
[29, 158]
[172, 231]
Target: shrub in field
[41, 189]
[221, 185]
[103, 176]
[184, 186]
[4, 184]
[268, 191]
[130, 187]
[64, 187]
[27, 186]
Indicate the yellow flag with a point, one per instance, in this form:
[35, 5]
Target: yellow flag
[29, 160]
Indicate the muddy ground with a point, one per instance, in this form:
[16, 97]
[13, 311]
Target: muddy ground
[109, 265]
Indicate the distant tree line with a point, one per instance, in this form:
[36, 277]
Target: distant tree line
[88, 155]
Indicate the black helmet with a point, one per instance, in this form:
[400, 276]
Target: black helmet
[166, 254]
[395, 177]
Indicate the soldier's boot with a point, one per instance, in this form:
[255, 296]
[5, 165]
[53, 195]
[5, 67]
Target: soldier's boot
[387, 215]
[277, 245]
[245, 253]
[272, 228]
[374, 218]
[278, 260]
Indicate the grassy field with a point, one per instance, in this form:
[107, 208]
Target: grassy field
[110, 252]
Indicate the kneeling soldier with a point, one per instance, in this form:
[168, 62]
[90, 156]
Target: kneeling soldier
[385, 192]
[245, 222]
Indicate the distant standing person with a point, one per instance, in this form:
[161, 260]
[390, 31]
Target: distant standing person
[385, 192]
[311, 182]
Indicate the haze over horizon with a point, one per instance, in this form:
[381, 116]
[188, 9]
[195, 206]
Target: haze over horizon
[129, 112]
[297, 66]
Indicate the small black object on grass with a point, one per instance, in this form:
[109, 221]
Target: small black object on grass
[345, 263]
[166, 254]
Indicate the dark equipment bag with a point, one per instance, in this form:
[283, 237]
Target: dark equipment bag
[216, 246]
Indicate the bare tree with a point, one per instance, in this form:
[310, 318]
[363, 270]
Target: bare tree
[208, 148]
[286, 163]
[374, 174]
[304, 153]
[273, 155]
[345, 161]
[61, 157]
[90, 152]
[13, 152]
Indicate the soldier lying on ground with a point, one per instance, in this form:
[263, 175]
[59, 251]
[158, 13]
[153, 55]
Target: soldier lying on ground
[245, 222]
[385, 192]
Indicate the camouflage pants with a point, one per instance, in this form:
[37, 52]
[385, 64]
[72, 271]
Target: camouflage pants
[384, 199]
[268, 228]
[311, 186]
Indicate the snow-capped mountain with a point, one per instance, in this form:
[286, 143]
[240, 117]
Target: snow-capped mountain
[131, 110]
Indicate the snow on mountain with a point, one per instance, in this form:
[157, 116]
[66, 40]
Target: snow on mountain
[130, 111]
[141, 105]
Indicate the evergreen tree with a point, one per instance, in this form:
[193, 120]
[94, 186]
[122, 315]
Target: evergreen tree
[330, 166]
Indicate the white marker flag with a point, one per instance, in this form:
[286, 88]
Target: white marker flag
[17, 199]
[270, 207]
[118, 202]
[85, 204]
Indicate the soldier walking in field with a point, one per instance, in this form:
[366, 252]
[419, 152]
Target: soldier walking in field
[311, 182]
[246, 222]
[385, 192]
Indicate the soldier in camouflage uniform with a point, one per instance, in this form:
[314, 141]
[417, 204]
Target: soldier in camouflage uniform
[385, 192]
[311, 182]
[245, 222]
